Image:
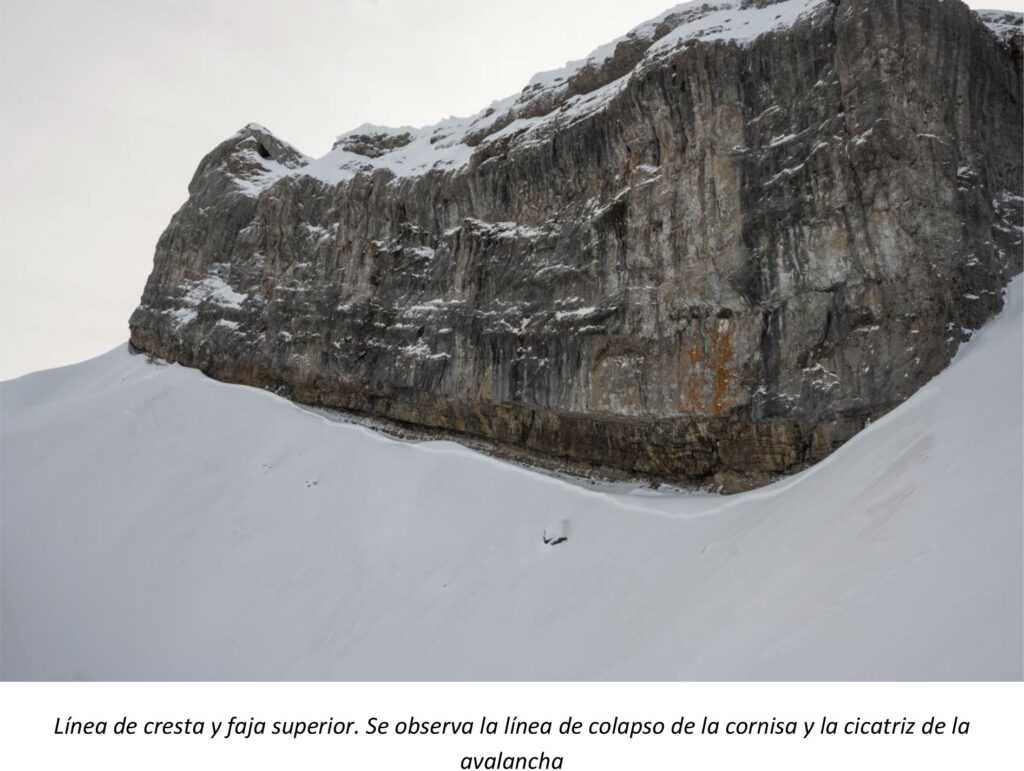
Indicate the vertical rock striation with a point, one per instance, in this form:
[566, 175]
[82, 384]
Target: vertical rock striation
[710, 252]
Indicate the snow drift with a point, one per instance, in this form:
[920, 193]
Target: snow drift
[157, 524]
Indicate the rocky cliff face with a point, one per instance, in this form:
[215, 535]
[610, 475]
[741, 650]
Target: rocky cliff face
[710, 252]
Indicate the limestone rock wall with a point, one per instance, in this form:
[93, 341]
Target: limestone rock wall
[719, 274]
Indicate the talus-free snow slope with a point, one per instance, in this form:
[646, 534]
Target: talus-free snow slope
[160, 525]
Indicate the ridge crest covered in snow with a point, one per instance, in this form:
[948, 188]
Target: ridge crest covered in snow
[551, 99]
[555, 98]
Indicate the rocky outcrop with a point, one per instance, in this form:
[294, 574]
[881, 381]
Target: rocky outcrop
[711, 252]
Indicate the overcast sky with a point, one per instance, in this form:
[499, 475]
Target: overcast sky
[107, 106]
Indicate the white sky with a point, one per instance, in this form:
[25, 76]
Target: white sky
[107, 106]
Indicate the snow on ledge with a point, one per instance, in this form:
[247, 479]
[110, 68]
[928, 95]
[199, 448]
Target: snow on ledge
[1005, 24]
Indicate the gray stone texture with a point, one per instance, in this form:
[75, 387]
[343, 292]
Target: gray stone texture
[720, 276]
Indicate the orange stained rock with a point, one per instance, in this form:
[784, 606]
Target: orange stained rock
[722, 351]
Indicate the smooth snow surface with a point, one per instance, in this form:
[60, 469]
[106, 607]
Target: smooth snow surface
[160, 525]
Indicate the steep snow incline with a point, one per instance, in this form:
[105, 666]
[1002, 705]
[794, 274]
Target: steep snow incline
[157, 524]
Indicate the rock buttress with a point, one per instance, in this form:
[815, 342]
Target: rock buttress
[746, 252]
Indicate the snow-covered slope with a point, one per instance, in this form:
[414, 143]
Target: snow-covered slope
[158, 524]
